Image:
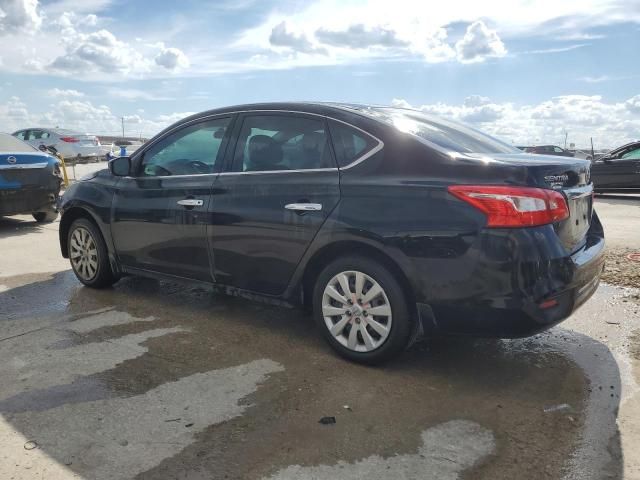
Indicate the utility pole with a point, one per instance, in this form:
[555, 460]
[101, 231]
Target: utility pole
[122, 127]
[566, 134]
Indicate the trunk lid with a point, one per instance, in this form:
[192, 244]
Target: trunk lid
[87, 140]
[569, 175]
[20, 170]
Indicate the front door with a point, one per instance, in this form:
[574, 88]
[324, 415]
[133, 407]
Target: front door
[268, 206]
[622, 171]
[159, 214]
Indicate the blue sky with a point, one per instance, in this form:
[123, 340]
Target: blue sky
[527, 71]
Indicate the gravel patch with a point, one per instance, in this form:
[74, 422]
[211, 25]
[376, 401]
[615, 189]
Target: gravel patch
[620, 270]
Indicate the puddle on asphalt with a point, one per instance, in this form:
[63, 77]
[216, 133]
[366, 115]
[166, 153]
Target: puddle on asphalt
[498, 389]
[446, 451]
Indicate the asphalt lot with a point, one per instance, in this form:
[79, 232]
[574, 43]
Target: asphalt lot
[154, 380]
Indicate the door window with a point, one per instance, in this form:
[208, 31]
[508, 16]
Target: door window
[193, 150]
[632, 155]
[281, 142]
[34, 135]
[21, 135]
[557, 149]
[349, 143]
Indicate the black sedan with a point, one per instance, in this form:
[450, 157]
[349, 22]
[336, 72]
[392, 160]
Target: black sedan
[29, 180]
[390, 224]
[618, 171]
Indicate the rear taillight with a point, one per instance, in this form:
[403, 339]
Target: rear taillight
[69, 139]
[514, 206]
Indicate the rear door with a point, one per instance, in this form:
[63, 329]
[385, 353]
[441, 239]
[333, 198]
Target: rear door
[159, 214]
[280, 186]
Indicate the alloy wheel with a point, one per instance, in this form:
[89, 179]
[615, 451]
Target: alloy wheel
[83, 253]
[357, 311]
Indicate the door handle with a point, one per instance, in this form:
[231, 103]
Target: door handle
[304, 207]
[190, 202]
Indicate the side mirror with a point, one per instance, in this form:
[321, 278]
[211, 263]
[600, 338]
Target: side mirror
[120, 166]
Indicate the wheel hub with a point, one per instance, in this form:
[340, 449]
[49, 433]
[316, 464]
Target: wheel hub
[356, 311]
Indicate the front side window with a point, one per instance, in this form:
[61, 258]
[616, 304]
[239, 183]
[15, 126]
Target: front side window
[557, 149]
[193, 150]
[281, 142]
[349, 143]
[21, 135]
[632, 154]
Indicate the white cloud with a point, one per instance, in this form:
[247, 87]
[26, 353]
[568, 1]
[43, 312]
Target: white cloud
[479, 43]
[83, 116]
[133, 94]
[19, 16]
[358, 30]
[360, 36]
[282, 37]
[172, 58]
[610, 124]
[633, 104]
[75, 42]
[57, 93]
[566, 48]
[99, 51]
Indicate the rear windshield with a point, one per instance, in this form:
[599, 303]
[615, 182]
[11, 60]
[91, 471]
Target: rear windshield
[9, 143]
[451, 136]
[62, 131]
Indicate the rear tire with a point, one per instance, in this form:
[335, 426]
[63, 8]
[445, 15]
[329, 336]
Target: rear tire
[348, 322]
[45, 217]
[88, 255]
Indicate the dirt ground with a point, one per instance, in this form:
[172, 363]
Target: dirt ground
[155, 380]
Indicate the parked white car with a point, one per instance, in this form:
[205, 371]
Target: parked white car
[69, 144]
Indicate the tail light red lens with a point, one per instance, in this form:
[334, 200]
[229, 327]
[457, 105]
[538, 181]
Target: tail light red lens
[69, 139]
[507, 206]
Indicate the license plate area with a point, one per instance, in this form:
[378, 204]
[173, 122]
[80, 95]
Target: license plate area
[573, 231]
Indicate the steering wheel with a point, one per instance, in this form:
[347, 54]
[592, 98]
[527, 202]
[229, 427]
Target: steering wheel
[199, 166]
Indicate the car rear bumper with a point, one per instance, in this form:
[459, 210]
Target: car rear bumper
[523, 295]
[28, 200]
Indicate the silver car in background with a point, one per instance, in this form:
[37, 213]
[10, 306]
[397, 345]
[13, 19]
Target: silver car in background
[71, 145]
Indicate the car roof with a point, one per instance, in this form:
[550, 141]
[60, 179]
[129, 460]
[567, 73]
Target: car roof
[54, 130]
[303, 107]
[625, 146]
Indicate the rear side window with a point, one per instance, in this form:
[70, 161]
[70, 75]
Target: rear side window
[349, 143]
[448, 135]
[36, 135]
[282, 142]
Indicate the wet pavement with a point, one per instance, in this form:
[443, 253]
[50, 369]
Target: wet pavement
[155, 380]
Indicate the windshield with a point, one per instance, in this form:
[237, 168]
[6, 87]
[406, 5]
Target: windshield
[448, 135]
[9, 143]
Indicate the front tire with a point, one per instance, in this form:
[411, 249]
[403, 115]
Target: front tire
[88, 255]
[45, 217]
[361, 309]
